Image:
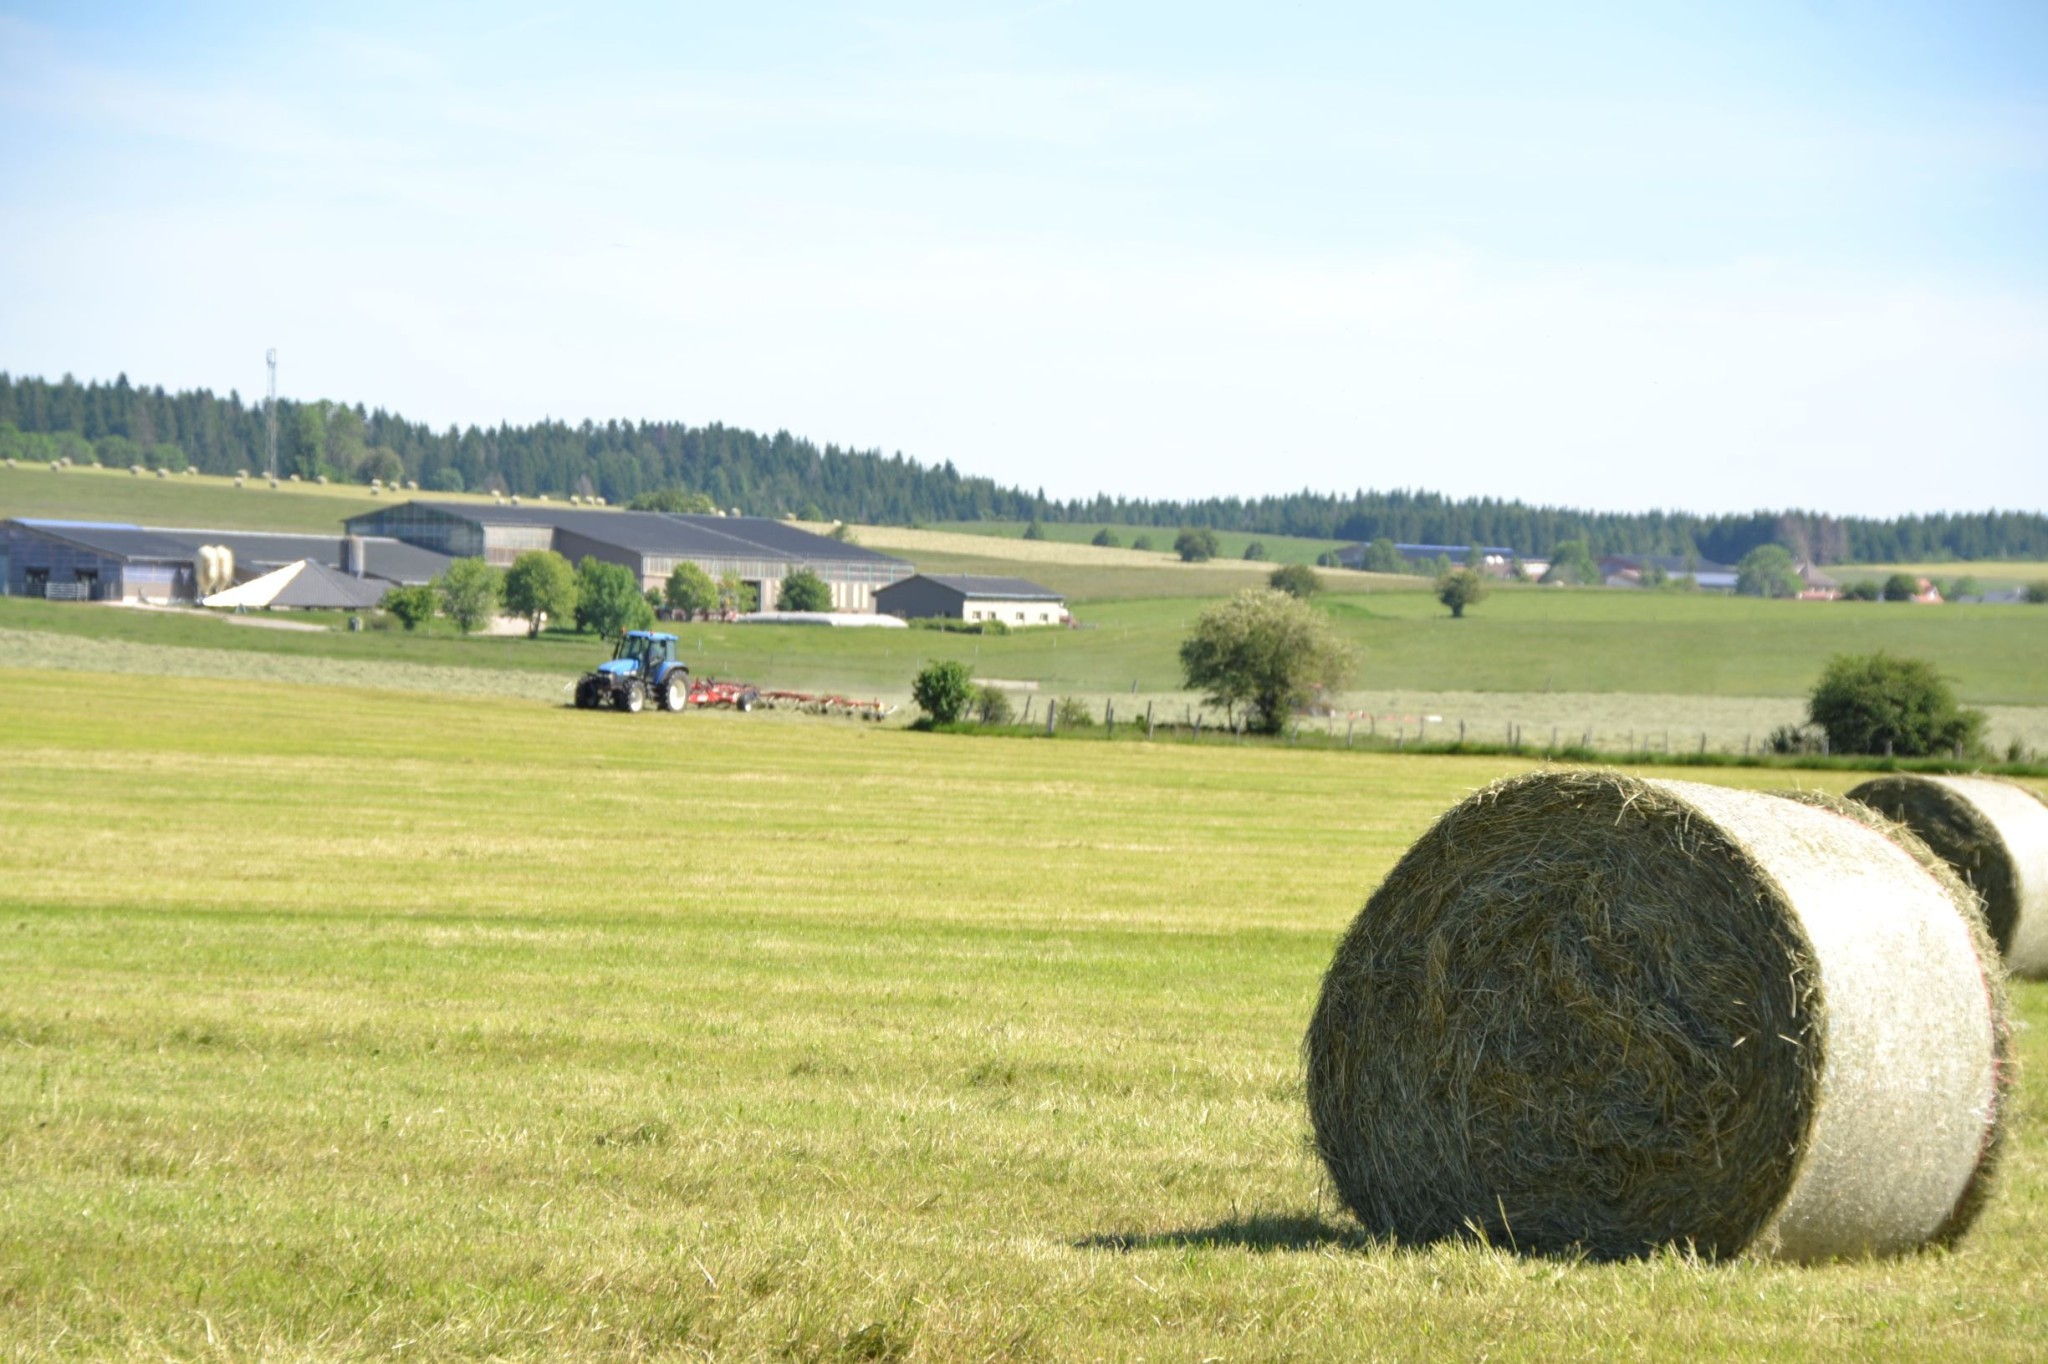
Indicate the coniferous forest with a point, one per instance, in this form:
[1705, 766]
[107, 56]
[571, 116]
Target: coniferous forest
[121, 424]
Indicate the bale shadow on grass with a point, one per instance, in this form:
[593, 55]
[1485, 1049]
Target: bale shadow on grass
[1263, 1232]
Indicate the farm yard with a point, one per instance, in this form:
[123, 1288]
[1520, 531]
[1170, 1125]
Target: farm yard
[352, 1022]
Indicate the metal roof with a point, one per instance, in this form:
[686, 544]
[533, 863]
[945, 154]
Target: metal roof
[667, 533]
[382, 557]
[316, 585]
[1008, 589]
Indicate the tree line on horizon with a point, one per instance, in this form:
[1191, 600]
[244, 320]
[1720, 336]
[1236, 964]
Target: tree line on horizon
[120, 424]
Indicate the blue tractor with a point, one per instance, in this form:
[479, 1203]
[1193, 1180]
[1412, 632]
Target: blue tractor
[644, 666]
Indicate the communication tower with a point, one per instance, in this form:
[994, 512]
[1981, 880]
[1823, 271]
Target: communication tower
[270, 414]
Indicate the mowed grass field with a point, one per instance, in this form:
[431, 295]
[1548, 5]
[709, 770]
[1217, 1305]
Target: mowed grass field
[344, 1023]
[1517, 641]
[201, 500]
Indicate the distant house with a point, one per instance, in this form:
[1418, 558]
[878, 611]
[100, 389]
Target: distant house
[1629, 570]
[1013, 601]
[1818, 586]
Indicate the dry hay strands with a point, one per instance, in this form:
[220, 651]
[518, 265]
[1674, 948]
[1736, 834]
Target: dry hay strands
[1588, 1013]
[1995, 835]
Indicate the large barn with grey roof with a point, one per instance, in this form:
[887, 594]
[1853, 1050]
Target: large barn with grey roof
[113, 561]
[756, 550]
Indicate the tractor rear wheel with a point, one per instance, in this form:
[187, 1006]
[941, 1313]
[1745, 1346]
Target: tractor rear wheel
[675, 695]
[632, 697]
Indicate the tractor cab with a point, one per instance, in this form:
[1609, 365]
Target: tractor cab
[643, 654]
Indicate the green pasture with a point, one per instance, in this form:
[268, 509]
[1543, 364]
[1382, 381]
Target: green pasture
[1987, 572]
[1519, 641]
[346, 1023]
[1230, 544]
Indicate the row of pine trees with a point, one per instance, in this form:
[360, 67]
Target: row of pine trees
[121, 424]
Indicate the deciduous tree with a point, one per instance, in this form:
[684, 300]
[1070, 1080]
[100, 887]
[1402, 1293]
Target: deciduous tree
[540, 586]
[1460, 588]
[690, 590]
[1878, 703]
[1266, 651]
[804, 590]
[608, 599]
[470, 592]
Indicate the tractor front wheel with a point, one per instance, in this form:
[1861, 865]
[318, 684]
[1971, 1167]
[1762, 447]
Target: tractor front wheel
[632, 698]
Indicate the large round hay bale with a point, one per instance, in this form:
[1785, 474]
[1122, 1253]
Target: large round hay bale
[1995, 835]
[1593, 1012]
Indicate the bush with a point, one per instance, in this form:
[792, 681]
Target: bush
[1070, 712]
[1460, 588]
[1863, 589]
[1794, 739]
[1195, 546]
[992, 706]
[1296, 580]
[943, 691]
[2037, 593]
[1034, 531]
[1328, 559]
[1265, 651]
[953, 625]
[804, 590]
[1105, 539]
[470, 591]
[1877, 703]
[412, 606]
[1901, 587]
[1255, 552]
[540, 586]
[1143, 542]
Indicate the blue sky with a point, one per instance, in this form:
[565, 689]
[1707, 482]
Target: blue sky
[1709, 257]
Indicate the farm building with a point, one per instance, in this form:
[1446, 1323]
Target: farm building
[106, 561]
[758, 551]
[1013, 601]
[1627, 570]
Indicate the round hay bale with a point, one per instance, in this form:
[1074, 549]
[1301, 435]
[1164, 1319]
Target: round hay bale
[1995, 835]
[1589, 1012]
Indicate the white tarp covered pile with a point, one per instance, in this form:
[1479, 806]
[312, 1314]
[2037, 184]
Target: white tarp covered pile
[305, 585]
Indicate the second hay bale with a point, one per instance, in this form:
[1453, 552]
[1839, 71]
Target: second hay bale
[1995, 835]
[1593, 1012]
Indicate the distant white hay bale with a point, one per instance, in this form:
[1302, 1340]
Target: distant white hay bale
[1592, 1012]
[1995, 835]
